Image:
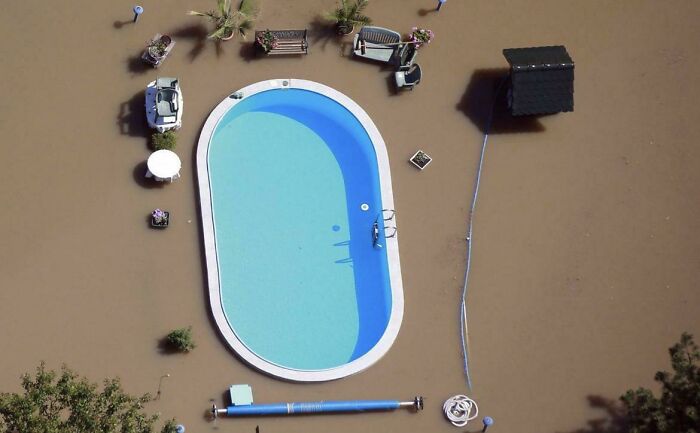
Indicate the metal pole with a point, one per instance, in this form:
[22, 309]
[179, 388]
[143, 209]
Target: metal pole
[440, 3]
[160, 383]
[138, 10]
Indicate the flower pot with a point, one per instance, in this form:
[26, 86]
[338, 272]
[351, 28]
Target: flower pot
[227, 38]
[161, 224]
[344, 28]
[420, 159]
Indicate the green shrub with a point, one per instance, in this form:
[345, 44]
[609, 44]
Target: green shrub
[164, 140]
[63, 401]
[181, 339]
[170, 426]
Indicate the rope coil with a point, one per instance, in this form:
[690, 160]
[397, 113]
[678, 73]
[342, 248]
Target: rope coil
[458, 410]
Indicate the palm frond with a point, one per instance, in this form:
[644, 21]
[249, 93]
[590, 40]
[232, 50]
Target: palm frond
[248, 8]
[220, 33]
[224, 7]
[200, 14]
[349, 12]
[362, 19]
[244, 27]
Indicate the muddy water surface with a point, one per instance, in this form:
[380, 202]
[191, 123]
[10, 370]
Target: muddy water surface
[586, 238]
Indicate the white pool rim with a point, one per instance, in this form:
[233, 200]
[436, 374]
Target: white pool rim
[209, 233]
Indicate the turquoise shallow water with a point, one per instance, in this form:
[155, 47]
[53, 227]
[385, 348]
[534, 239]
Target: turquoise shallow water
[302, 285]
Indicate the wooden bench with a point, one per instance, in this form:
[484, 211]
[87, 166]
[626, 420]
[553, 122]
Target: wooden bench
[288, 41]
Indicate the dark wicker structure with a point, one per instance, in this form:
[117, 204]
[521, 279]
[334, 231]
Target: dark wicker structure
[541, 80]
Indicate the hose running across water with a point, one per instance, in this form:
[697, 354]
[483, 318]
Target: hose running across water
[457, 409]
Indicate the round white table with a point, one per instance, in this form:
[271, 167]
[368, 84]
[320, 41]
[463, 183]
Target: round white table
[164, 165]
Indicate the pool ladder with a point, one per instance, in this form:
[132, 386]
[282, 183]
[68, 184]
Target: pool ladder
[387, 222]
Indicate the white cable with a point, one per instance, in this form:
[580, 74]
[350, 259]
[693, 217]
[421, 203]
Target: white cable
[463, 329]
[458, 409]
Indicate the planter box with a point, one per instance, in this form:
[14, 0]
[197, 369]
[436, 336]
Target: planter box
[162, 224]
[420, 159]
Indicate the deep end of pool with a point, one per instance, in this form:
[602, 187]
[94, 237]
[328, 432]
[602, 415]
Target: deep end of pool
[293, 178]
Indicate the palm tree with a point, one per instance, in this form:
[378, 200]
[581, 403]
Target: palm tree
[227, 22]
[348, 15]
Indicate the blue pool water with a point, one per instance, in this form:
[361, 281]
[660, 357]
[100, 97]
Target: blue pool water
[302, 285]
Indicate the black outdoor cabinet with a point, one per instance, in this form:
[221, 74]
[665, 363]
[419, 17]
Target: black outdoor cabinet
[541, 80]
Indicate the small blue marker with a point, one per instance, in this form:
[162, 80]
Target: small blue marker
[487, 422]
[180, 428]
[138, 10]
[440, 3]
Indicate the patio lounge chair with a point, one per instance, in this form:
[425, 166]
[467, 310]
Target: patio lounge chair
[377, 43]
[408, 78]
[406, 56]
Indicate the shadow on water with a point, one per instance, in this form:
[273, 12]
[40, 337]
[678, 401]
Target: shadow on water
[425, 12]
[248, 51]
[479, 96]
[165, 348]
[612, 419]
[136, 65]
[140, 178]
[391, 87]
[321, 32]
[131, 119]
[197, 35]
[119, 24]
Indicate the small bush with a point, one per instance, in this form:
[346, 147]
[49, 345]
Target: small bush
[181, 339]
[170, 426]
[164, 140]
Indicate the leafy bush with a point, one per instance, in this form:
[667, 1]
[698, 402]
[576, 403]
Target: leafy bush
[677, 410]
[181, 339]
[66, 402]
[170, 426]
[164, 140]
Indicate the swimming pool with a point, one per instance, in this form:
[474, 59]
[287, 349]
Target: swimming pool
[293, 176]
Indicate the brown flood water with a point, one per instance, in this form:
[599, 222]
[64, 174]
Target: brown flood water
[586, 253]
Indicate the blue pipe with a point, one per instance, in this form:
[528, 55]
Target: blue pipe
[317, 407]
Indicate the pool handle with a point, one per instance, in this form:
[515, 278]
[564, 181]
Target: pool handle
[317, 407]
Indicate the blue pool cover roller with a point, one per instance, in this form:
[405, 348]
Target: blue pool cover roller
[348, 406]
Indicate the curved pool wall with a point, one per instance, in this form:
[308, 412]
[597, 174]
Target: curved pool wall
[284, 167]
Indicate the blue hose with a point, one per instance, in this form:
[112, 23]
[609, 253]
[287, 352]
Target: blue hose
[348, 406]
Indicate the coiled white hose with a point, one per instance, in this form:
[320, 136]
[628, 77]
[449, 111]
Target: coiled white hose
[458, 409]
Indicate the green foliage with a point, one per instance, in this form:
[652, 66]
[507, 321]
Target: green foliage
[170, 426]
[228, 22]
[348, 14]
[678, 408]
[181, 339]
[164, 140]
[60, 403]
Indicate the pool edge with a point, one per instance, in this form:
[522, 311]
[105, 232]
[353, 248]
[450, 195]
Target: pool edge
[391, 244]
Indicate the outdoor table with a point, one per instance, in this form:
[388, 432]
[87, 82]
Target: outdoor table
[163, 165]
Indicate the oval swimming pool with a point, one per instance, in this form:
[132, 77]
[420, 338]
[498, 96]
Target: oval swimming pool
[294, 178]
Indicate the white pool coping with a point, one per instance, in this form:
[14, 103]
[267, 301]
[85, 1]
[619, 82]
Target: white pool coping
[390, 244]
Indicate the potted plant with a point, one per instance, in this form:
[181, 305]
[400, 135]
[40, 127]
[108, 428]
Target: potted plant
[421, 36]
[348, 14]
[157, 47]
[266, 41]
[228, 22]
[420, 159]
[160, 218]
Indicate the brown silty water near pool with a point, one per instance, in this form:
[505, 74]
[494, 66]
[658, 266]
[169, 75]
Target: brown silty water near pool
[586, 246]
